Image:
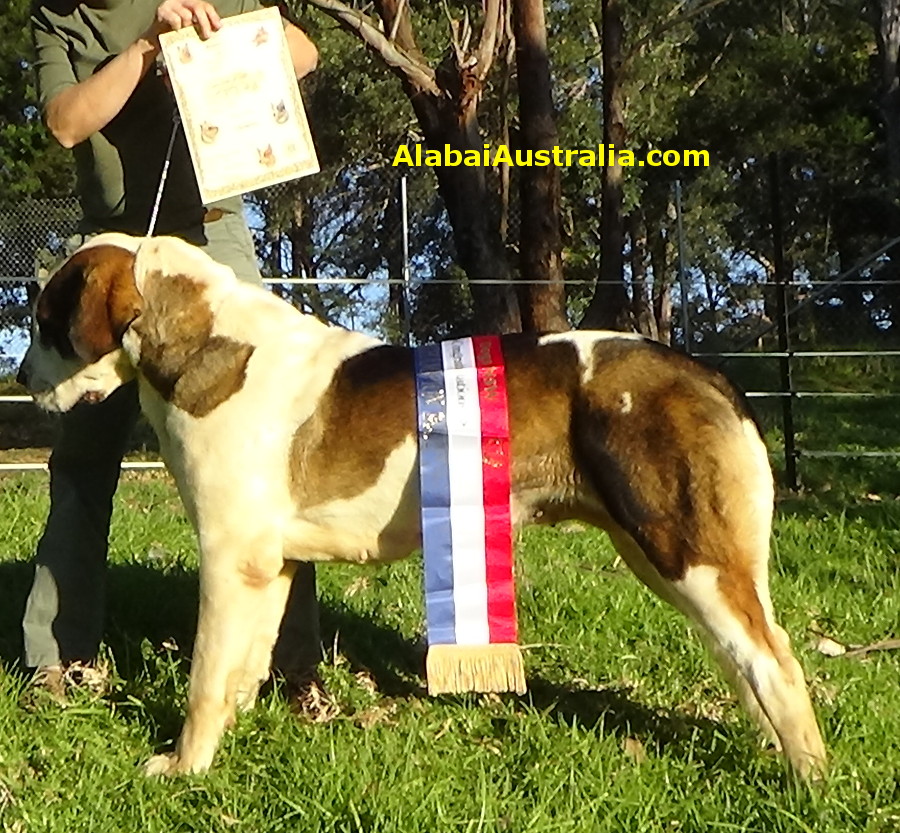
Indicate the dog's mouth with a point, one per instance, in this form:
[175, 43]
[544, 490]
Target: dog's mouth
[48, 400]
[92, 397]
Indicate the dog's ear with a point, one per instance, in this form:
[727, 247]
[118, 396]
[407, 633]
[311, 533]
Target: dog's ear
[109, 304]
[123, 301]
[90, 302]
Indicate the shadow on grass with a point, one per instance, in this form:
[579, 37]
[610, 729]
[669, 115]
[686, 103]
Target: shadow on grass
[15, 581]
[613, 711]
[150, 631]
[143, 603]
[397, 666]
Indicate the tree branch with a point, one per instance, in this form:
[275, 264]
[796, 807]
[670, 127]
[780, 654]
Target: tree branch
[673, 19]
[418, 74]
[487, 44]
[705, 77]
[397, 17]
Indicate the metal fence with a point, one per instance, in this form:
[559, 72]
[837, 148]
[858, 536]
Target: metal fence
[818, 357]
[829, 389]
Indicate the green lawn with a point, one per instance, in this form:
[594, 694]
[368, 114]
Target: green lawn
[627, 727]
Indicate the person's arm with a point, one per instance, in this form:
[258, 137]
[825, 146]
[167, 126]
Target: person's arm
[78, 111]
[304, 54]
[82, 109]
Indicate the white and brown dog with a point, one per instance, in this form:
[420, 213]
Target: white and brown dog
[292, 440]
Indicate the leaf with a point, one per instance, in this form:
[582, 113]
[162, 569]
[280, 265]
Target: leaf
[634, 749]
[830, 647]
[358, 585]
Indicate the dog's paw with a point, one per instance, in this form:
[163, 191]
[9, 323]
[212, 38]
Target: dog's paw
[173, 763]
[247, 693]
[160, 766]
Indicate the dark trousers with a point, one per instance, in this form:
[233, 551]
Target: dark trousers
[64, 614]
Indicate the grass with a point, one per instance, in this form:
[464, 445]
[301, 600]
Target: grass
[626, 725]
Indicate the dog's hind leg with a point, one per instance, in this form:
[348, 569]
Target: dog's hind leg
[741, 685]
[235, 591]
[691, 499]
[737, 626]
[634, 557]
[727, 606]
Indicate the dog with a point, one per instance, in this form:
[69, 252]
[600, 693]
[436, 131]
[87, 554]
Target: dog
[294, 440]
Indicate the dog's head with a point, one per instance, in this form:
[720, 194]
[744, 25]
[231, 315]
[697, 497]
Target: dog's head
[80, 318]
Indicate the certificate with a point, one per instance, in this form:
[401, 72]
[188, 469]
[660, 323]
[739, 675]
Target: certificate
[240, 105]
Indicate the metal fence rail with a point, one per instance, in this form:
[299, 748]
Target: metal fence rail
[777, 337]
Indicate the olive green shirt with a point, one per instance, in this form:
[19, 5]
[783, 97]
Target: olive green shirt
[118, 168]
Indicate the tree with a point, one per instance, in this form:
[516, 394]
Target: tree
[743, 79]
[543, 304]
[31, 164]
[609, 307]
[885, 18]
[35, 172]
[445, 100]
[813, 60]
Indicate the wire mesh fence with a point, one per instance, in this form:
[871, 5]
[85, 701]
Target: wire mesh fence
[819, 355]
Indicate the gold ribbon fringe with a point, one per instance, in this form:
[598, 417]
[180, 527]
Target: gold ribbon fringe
[453, 669]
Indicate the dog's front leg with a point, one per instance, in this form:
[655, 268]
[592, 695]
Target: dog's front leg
[234, 603]
[259, 659]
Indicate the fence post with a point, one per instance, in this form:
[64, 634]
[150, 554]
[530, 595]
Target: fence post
[404, 214]
[783, 326]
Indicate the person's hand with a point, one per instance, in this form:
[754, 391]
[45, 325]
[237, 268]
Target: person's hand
[176, 14]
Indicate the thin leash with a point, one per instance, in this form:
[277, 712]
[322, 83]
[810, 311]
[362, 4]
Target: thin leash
[176, 122]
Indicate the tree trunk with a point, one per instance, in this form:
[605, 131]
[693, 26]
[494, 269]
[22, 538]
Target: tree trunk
[608, 308]
[302, 263]
[886, 14]
[391, 221]
[445, 101]
[473, 212]
[543, 304]
[449, 116]
[641, 296]
[662, 290]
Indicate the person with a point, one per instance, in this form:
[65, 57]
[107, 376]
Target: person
[103, 96]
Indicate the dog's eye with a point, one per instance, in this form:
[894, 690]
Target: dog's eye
[43, 331]
[53, 336]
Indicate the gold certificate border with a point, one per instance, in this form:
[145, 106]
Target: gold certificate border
[188, 96]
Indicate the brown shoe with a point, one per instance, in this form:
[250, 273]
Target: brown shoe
[59, 680]
[309, 698]
[50, 678]
[93, 677]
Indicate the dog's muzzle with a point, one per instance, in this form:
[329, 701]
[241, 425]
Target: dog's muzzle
[92, 397]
